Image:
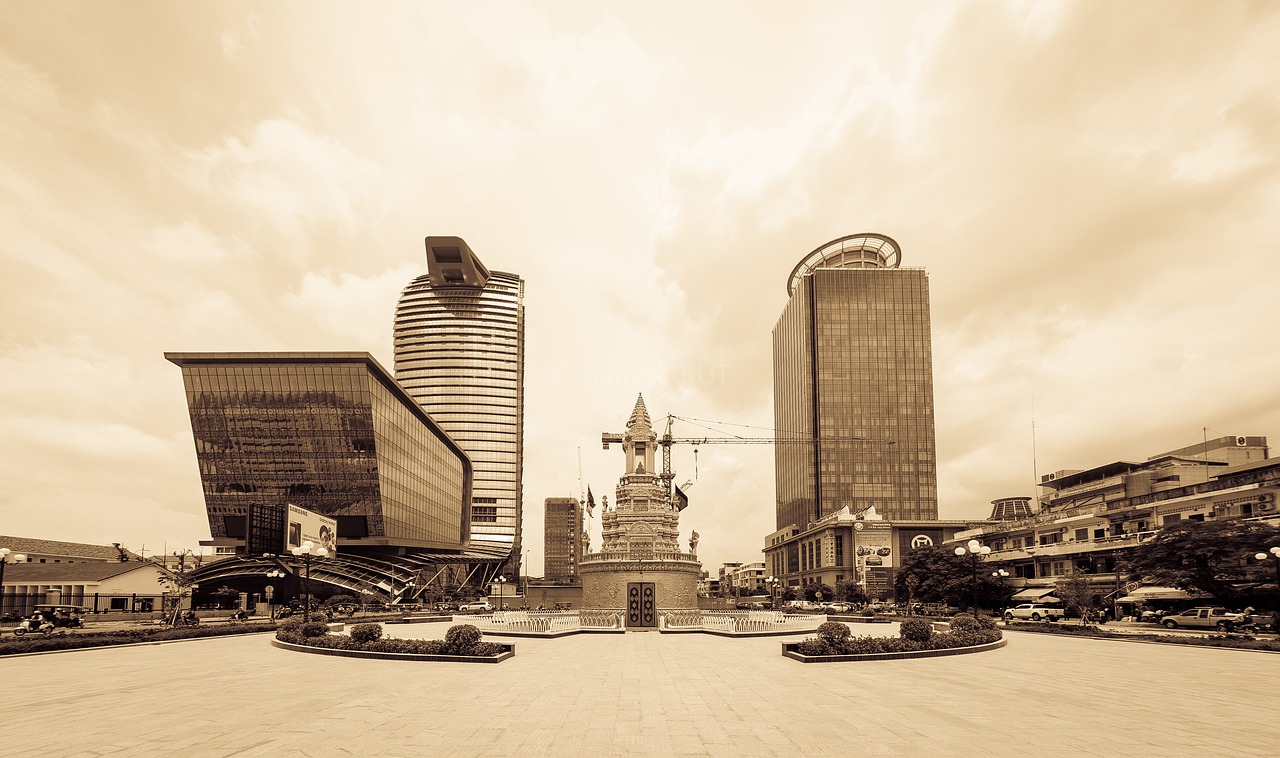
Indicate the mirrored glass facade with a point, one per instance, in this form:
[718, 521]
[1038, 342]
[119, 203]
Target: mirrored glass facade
[331, 432]
[459, 351]
[853, 369]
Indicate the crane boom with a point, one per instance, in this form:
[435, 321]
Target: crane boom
[666, 441]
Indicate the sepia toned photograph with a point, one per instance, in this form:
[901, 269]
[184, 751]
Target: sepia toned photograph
[535, 378]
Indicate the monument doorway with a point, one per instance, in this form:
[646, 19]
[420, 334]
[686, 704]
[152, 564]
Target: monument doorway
[641, 607]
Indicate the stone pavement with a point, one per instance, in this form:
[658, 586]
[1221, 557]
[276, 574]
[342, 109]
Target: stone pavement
[642, 694]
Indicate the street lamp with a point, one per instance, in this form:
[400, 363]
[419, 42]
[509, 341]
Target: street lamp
[772, 581]
[4, 560]
[974, 549]
[1273, 553]
[305, 551]
[501, 581]
[271, 591]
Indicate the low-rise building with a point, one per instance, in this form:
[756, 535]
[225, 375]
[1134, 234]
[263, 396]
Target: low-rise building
[1086, 519]
[844, 546]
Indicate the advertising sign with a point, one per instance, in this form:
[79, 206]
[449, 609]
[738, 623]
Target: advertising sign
[874, 552]
[305, 525]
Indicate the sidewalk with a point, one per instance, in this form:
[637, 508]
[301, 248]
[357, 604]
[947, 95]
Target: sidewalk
[642, 694]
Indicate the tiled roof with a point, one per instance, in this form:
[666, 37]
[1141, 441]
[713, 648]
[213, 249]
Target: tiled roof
[88, 571]
[55, 547]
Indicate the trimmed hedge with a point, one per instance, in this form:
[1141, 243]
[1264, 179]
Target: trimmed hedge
[366, 632]
[461, 639]
[1242, 642]
[14, 645]
[915, 635]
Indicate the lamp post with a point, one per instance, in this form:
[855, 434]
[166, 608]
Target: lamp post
[501, 581]
[772, 582]
[1001, 575]
[1274, 554]
[974, 549]
[4, 561]
[271, 591]
[305, 551]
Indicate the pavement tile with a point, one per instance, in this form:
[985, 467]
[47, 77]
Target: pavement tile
[641, 695]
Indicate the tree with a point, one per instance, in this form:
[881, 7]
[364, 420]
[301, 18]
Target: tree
[1201, 557]
[1076, 593]
[818, 592]
[851, 592]
[938, 575]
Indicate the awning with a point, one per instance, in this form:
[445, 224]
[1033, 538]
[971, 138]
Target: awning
[1143, 594]
[1036, 593]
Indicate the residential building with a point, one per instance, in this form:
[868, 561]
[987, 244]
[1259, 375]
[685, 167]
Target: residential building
[748, 579]
[853, 373]
[562, 539]
[459, 352]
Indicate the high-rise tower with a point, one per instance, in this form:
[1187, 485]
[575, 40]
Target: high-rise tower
[562, 539]
[853, 369]
[459, 351]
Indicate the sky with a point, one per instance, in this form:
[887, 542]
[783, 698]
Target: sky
[1091, 187]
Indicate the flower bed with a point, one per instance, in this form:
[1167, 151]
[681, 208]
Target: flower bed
[76, 640]
[917, 639]
[461, 643]
[1239, 641]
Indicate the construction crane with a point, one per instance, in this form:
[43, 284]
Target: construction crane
[666, 441]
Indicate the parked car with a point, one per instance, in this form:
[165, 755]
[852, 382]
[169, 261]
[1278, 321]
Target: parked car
[476, 606]
[837, 607]
[1033, 612]
[1207, 618]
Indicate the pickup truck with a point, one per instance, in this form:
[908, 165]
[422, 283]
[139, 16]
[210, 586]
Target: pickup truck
[1208, 618]
[1033, 612]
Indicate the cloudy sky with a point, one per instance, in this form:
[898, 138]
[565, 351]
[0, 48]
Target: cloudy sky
[1092, 187]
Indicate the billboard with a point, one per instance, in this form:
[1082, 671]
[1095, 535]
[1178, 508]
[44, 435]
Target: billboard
[874, 554]
[304, 525]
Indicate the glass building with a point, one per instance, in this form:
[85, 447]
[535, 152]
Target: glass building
[853, 373]
[334, 434]
[459, 351]
[562, 539]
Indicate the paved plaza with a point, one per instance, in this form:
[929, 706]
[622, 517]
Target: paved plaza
[642, 694]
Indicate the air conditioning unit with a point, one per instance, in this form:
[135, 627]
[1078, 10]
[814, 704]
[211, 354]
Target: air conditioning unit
[1241, 442]
[1266, 506]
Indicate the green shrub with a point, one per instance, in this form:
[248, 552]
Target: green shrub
[314, 629]
[366, 633]
[916, 630]
[962, 621]
[290, 625]
[461, 639]
[986, 622]
[834, 633]
[816, 647]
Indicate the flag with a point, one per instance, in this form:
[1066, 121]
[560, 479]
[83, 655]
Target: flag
[591, 501]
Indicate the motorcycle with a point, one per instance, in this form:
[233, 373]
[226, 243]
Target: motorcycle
[44, 627]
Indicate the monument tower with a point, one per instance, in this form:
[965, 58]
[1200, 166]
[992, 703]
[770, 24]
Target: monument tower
[640, 569]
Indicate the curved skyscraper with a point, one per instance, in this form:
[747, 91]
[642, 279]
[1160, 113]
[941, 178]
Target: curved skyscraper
[853, 369]
[459, 351]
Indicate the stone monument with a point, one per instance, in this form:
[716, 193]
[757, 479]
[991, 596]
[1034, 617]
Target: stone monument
[640, 570]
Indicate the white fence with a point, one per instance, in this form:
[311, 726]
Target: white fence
[740, 622]
[543, 622]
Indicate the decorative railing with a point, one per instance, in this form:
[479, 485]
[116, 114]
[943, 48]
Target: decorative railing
[654, 555]
[545, 622]
[739, 622]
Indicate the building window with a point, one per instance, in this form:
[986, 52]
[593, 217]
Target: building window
[1082, 535]
[839, 550]
[484, 514]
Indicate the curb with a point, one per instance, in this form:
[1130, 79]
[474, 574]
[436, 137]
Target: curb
[891, 656]
[366, 654]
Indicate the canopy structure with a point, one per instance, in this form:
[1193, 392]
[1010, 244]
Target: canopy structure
[1036, 595]
[1143, 594]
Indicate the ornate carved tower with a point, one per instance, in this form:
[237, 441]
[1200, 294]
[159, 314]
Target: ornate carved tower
[640, 568]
